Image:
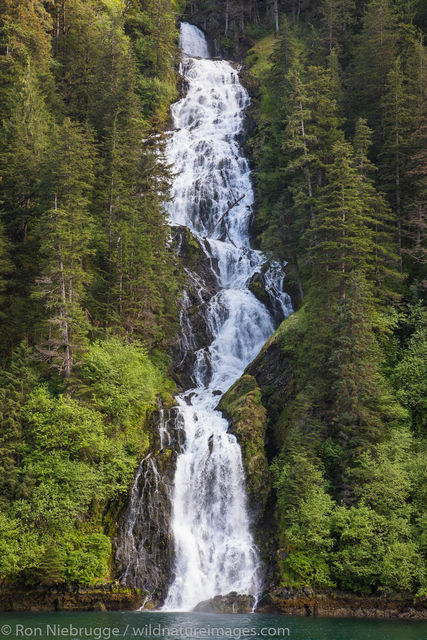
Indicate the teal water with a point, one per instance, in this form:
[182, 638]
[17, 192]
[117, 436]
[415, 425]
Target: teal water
[189, 626]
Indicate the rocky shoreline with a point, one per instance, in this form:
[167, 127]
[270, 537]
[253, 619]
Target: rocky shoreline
[62, 598]
[335, 604]
[290, 602]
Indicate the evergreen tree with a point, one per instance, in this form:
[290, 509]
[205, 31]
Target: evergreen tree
[24, 139]
[16, 383]
[66, 238]
[415, 206]
[375, 52]
[337, 16]
[396, 125]
[362, 143]
[50, 570]
[24, 41]
[344, 223]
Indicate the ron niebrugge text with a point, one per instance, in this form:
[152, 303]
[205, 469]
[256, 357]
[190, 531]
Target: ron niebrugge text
[77, 632]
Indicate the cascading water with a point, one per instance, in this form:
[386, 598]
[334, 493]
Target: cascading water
[214, 550]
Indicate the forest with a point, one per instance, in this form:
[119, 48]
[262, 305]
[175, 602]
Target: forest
[91, 286]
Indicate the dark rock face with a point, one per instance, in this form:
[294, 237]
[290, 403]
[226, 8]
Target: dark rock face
[144, 548]
[200, 286]
[231, 603]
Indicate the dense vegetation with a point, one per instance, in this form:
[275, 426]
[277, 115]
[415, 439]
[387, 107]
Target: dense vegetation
[339, 151]
[88, 282]
[88, 286]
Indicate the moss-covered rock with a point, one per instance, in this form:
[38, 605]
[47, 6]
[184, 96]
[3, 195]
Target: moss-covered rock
[257, 287]
[108, 597]
[274, 371]
[243, 408]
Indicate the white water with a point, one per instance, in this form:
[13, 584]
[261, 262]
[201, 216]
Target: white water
[215, 552]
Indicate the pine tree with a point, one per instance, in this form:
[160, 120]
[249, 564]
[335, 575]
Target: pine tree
[16, 383]
[77, 46]
[50, 570]
[362, 143]
[415, 206]
[24, 41]
[66, 238]
[375, 53]
[385, 260]
[23, 140]
[312, 127]
[396, 125]
[361, 403]
[337, 16]
[344, 224]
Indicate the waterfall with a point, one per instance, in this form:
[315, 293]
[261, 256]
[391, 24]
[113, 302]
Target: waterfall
[214, 549]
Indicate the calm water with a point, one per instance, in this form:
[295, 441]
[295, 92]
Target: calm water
[183, 626]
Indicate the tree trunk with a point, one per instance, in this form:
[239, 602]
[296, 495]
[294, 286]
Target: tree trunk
[242, 16]
[276, 15]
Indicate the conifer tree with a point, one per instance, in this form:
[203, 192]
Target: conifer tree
[385, 260]
[361, 403]
[23, 140]
[24, 41]
[375, 52]
[396, 125]
[16, 383]
[362, 143]
[337, 16]
[66, 241]
[344, 223]
[415, 206]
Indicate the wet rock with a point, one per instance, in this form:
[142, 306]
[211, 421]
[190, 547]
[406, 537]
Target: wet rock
[231, 603]
[257, 287]
[110, 597]
[336, 604]
[144, 548]
[200, 286]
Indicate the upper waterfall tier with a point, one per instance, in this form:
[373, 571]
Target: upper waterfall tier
[192, 42]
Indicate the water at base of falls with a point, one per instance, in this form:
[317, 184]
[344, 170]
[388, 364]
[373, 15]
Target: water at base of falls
[214, 550]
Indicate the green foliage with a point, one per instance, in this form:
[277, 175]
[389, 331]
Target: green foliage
[410, 372]
[348, 220]
[56, 491]
[74, 454]
[304, 511]
[84, 254]
[50, 568]
[62, 424]
[88, 280]
[120, 380]
[88, 564]
[19, 546]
